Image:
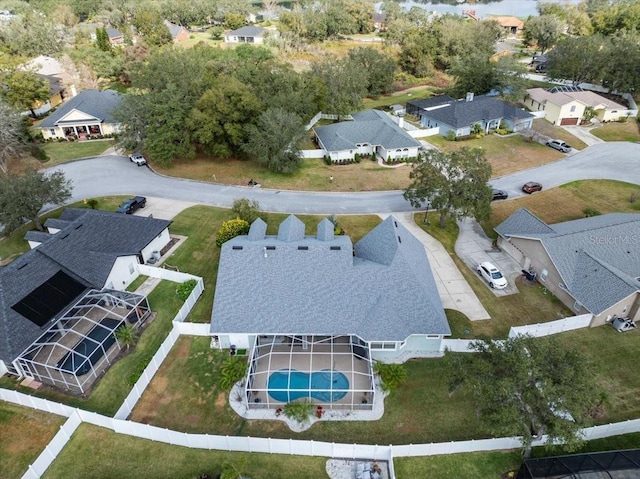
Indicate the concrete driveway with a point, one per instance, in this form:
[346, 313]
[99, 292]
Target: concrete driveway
[163, 208]
[455, 292]
[584, 133]
[474, 247]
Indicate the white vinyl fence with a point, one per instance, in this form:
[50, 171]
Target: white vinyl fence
[552, 327]
[268, 445]
[457, 345]
[317, 153]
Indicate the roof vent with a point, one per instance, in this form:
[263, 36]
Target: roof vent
[334, 248]
[78, 226]
[270, 248]
[399, 239]
[22, 265]
[236, 247]
[303, 248]
[64, 236]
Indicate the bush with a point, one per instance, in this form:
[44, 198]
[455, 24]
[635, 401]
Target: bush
[451, 135]
[590, 212]
[327, 160]
[356, 158]
[391, 375]
[246, 209]
[232, 371]
[184, 290]
[299, 411]
[230, 229]
[140, 367]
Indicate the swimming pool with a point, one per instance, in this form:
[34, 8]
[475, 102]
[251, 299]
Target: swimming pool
[326, 386]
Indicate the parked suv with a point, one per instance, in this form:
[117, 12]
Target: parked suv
[531, 187]
[132, 205]
[492, 275]
[559, 145]
[137, 158]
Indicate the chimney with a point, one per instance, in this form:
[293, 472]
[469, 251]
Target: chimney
[74, 92]
[401, 122]
[469, 96]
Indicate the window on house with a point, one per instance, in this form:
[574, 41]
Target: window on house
[131, 268]
[577, 306]
[573, 108]
[52, 132]
[543, 275]
[433, 336]
[383, 346]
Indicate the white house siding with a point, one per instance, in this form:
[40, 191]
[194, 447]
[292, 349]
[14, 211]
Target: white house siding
[58, 131]
[398, 153]
[342, 155]
[123, 272]
[418, 344]
[3, 368]
[157, 244]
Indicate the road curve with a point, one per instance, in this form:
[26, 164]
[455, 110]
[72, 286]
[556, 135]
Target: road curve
[115, 175]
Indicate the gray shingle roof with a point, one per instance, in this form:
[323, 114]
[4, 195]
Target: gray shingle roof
[98, 104]
[174, 29]
[586, 249]
[461, 113]
[370, 126]
[248, 31]
[85, 249]
[432, 101]
[39, 236]
[92, 242]
[385, 292]
[113, 33]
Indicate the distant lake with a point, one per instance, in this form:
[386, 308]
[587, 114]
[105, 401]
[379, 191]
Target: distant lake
[517, 8]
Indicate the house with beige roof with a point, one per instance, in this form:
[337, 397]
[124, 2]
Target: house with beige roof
[510, 25]
[565, 105]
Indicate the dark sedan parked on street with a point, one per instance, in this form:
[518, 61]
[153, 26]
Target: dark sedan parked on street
[499, 195]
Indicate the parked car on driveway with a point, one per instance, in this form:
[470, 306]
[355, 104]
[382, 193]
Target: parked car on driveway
[137, 158]
[559, 145]
[531, 187]
[130, 206]
[492, 275]
[499, 195]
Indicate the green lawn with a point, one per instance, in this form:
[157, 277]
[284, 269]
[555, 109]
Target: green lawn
[24, 433]
[65, 151]
[616, 131]
[96, 452]
[136, 283]
[185, 395]
[477, 465]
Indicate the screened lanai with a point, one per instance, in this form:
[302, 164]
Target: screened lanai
[81, 345]
[332, 371]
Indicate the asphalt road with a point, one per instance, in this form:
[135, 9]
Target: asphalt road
[116, 175]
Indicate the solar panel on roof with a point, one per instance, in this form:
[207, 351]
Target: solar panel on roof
[48, 299]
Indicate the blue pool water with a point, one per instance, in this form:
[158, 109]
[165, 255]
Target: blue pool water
[326, 386]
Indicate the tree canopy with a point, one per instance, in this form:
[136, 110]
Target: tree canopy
[455, 184]
[528, 387]
[23, 195]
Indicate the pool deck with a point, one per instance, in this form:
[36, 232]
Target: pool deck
[240, 407]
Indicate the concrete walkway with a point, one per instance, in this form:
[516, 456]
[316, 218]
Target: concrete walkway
[455, 292]
[584, 134]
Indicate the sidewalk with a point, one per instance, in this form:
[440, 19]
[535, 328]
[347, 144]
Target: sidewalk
[455, 292]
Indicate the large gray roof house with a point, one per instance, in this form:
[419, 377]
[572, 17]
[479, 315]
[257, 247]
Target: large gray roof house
[460, 116]
[591, 264]
[84, 249]
[372, 132]
[381, 289]
[90, 112]
[318, 303]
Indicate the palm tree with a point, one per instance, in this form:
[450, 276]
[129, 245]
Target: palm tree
[126, 335]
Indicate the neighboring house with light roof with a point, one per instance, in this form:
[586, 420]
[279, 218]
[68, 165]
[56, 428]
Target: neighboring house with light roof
[509, 25]
[591, 264]
[247, 34]
[319, 303]
[87, 113]
[565, 105]
[372, 132]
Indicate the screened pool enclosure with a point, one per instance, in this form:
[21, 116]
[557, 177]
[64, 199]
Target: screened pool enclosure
[81, 345]
[332, 371]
